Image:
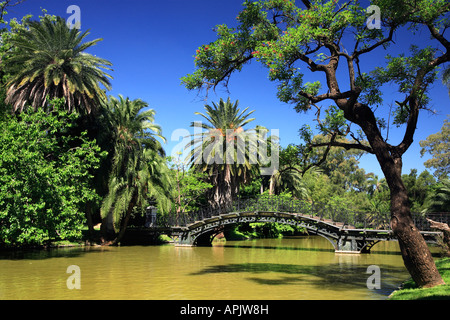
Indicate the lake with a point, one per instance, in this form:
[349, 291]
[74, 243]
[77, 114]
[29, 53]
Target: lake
[291, 268]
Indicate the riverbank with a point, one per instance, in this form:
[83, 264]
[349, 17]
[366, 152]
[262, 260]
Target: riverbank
[409, 290]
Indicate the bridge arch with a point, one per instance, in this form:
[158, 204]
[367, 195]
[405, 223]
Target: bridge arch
[347, 231]
[202, 233]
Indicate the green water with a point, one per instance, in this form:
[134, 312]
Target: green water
[265, 269]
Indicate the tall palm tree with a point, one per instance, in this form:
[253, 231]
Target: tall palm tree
[48, 61]
[225, 150]
[139, 171]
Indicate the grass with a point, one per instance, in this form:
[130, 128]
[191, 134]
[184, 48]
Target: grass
[411, 292]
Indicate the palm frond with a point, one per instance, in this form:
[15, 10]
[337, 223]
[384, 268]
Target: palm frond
[48, 61]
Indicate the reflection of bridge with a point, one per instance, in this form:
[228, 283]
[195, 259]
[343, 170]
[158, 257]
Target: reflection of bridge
[352, 232]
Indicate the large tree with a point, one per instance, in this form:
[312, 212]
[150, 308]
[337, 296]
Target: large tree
[47, 59]
[139, 171]
[329, 36]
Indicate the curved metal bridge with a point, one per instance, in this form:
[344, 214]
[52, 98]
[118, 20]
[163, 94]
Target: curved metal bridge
[348, 232]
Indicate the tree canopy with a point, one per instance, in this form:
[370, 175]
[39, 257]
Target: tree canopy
[44, 180]
[438, 145]
[47, 59]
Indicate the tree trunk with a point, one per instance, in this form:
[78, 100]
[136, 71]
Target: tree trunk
[126, 219]
[272, 185]
[415, 252]
[222, 192]
[446, 233]
[89, 220]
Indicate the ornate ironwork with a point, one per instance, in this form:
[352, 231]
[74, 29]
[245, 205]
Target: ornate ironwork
[347, 230]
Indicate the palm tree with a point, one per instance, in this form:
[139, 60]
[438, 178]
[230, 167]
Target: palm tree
[229, 153]
[139, 171]
[133, 123]
[440, 200]
[48, 61]
[289, 175]
[290, 178]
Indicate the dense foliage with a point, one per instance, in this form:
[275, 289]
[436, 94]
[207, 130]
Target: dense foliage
[438, 145]
[61, 69]
[45, 177]
[77, 160]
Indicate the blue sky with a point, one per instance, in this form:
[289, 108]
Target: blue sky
[152, 43]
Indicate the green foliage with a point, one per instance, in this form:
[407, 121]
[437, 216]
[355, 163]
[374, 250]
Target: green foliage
[439, 198]
[446, 78]
[191, 187]
[402, 71]
[138, 171]
[61, 69]
[289, 176]
[438, 145]
[45, 177]
[419, 188]
[228, 152]
[289, 41]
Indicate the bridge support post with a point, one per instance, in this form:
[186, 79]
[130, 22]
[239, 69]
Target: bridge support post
[348, 245]
[185, 240]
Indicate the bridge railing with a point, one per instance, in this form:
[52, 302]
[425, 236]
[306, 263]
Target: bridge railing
[319, 211]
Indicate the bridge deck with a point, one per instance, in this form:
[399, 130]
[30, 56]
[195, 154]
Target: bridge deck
[344, 229]
[339, 227]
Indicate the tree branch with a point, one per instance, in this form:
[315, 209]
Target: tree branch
[439, 37]
[325, 96]
[6, 4]
[346, 146]
[357, 53]
[322, 160]
[414, 102]
[234, 64]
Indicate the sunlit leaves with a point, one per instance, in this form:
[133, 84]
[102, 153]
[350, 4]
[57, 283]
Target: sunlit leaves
[402, 71]
[418, 11]
[48, 59]
[438, 146]
[370, 90]
[45, 178]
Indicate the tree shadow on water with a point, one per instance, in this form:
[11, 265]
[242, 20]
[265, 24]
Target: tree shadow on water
[342, 276]
[51, 253]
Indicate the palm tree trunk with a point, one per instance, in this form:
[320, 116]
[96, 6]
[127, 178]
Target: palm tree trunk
[126, 220]
[89, 220]
[272, 185]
